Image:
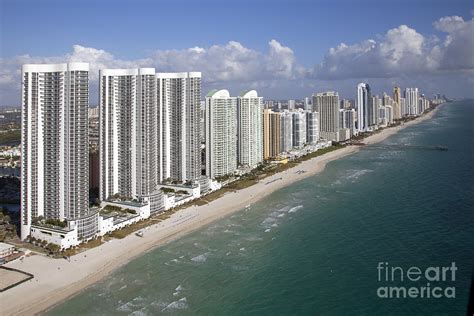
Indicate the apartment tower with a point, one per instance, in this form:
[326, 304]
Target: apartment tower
[54, 143]
[249, 129]
[128, 132]
[221, 134]
[364, 107]
[179, 126]
[327, 104]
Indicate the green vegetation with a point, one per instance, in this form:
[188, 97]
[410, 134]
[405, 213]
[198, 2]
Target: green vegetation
[53, 248]
[113, 208]
[224, 177]
[8, 136]
[167, 190]
[319, 152]
[130, 211]
[7, 229]
[55, 222]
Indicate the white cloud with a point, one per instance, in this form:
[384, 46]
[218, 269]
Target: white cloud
[400, 53]
[403, 51]
[400, 50]
[457, 51]
[231, 62]
[449, 24]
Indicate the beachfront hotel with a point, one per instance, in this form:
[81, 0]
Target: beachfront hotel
[327, 105]
[128, 135]
[249, 129]
[179, 126]
[54, 145]
[221, 134]
[364, 107]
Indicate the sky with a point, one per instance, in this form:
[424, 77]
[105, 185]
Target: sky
[285, 49]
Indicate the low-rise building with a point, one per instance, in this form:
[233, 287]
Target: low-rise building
[6, 250]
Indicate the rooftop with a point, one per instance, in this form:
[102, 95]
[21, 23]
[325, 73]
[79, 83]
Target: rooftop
[4, 246]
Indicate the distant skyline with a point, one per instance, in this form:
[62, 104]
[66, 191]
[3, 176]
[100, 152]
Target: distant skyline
[283, 49]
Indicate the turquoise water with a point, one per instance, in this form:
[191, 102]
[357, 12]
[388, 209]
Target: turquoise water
[314, 247]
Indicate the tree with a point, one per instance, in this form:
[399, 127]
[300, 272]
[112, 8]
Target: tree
[53, 248]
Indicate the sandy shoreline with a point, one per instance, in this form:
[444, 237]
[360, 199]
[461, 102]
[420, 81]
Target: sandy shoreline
[57, 279]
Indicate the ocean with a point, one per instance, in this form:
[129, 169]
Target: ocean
[314, 247]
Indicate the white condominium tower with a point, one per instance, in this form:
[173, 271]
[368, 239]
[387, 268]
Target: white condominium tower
[221, 134]
[327, 104]
[312, 127]
[411, 101]
[128, 135]
[364, 107]
[179, 126]
[249, 129]
[286, 131]
[299, 129]
[54, 143]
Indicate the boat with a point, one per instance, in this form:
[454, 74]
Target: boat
[139, 234]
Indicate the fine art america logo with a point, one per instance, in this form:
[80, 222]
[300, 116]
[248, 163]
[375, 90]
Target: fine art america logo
[416, 282]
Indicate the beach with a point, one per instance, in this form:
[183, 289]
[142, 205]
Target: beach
[57, 279]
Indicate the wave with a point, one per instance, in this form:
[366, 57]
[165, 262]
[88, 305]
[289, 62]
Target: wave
[178, 290]
[295, 209]
[180, 304]
[200, 258]
[358, 173]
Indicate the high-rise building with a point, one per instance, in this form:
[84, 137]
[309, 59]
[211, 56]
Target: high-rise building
[286, 131]
[403, 107]
[312, 127]
[179, 128]
[307, 104]
[299, 128]
[128, 132]
[291, 104]
[376, 104]
[423, 104]
[268, 104]
[346, 104]
[347, 120]
[150, 130]
[221, 133]
[271, 134]
[411, 100]
[364, 107]
[327, 104]
[54, 146]
[397, 95]
[249, 129]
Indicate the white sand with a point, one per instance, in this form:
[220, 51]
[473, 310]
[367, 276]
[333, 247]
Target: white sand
[57, 279]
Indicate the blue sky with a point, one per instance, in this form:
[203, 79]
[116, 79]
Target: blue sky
[137, 32]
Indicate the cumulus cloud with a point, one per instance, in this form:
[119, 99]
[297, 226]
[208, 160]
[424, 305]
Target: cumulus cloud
[231, 62]
[403, 51]
[457, 51]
